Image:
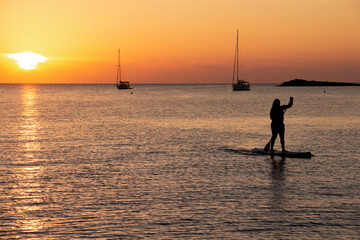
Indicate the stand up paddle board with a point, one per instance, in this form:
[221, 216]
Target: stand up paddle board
[261, 151]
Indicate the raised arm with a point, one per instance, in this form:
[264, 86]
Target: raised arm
[289, 104]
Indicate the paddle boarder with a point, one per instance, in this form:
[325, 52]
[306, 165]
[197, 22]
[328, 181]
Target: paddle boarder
[277, 124]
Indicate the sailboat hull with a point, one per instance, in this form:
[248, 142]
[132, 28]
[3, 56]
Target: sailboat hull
[241, 85]
[240, 88]
[123, 85]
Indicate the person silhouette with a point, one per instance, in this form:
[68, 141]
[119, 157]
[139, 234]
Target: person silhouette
[277, 124]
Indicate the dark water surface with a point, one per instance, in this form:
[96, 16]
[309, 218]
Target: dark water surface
[90, 161]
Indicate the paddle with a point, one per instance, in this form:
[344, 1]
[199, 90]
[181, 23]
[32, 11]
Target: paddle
[267, 146]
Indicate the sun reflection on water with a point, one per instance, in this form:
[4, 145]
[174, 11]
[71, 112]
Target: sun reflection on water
[29, 112]
[29, 200]
[27, 192]
[30, 121]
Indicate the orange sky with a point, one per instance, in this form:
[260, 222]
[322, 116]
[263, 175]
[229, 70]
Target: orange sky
[180, 41]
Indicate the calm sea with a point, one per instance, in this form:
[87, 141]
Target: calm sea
[91, 161]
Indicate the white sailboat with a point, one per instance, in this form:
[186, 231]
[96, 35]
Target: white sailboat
[239, 84]
[121, 84]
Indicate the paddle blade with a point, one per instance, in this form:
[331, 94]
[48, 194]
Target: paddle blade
[267, 147]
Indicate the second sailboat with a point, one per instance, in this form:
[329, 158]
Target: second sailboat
[239, 84]
[121, 84]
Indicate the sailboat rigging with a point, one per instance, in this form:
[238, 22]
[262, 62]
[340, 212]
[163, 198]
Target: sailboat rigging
[120, 84]
[239, 84]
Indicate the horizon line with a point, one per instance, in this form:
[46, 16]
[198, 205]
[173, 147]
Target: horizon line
[131, 83]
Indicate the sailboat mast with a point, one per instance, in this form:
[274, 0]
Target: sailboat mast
[234, 69]
[119, 68]
[237, 54]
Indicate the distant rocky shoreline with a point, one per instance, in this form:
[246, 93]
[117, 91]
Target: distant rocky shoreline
[302, 82]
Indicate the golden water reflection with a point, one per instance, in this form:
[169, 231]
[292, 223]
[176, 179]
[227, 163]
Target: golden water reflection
[30, 121]
[29, 199]
[28, 192]
[29, 125]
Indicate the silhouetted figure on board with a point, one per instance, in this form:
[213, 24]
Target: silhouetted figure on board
[277, 125]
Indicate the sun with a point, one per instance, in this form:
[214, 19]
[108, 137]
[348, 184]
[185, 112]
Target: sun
[27, 60]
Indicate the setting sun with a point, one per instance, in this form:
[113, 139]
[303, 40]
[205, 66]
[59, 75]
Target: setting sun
[27, 60]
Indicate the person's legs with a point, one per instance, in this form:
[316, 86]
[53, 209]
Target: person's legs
[282, 137]
[275, 131]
